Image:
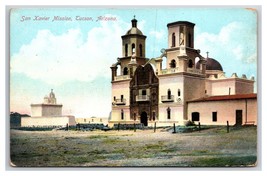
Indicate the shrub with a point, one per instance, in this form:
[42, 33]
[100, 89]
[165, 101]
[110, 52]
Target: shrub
[189, 123]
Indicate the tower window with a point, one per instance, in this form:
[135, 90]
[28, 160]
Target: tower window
[168, 113]
[122, 114]
[190, 40]
[173, 63]
[114, 98]
[179, 92]
[169, 94]
[140, 49]
[133, 48]
[214, 116]
[173, 39]
[126, 50]
[121, 98]
[190, 63]
[125, 71]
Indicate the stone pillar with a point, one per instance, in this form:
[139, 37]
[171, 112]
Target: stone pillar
[203, 63]
[113, 72]
[183, 63]
[158, 64]
[132, 66]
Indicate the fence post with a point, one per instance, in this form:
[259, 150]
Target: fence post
[155, 127]
[227, 126]
[134, 128]
[118, 126]
[174, 129]
[199, 126]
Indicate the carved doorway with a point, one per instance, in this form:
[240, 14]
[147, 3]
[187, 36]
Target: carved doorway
[144, 118]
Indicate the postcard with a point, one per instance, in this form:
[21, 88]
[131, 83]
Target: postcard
[133, 87]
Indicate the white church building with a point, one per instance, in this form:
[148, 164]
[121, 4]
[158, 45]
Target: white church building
[47, 114]
[192, 87]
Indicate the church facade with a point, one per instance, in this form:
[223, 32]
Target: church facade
[144, 92]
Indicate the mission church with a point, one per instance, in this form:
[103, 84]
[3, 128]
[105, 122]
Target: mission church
[191, 87]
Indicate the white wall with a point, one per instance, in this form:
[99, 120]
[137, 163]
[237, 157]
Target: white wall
[226, 111]
[47, 121]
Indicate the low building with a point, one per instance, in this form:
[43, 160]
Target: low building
[48, 113]
[92, 120]
[240, 109]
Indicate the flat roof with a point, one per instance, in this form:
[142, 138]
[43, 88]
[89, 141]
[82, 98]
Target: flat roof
[180, 23]
[226, 97]
[43, 104]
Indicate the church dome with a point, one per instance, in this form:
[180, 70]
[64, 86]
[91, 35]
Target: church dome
[134, 30]
[212, 64]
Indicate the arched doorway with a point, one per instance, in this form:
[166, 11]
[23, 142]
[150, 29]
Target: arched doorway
[144, 118]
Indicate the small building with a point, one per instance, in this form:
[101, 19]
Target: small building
[92, 120]
[239, 109]
[48, 113]
[15, 119]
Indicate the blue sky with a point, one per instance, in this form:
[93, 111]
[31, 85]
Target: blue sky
[73, 57]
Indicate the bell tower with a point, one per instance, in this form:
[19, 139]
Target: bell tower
[133, 45]
[181, 33]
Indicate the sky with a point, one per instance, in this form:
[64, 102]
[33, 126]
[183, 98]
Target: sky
[74, 57]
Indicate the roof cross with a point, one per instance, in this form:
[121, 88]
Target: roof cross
[207, 54]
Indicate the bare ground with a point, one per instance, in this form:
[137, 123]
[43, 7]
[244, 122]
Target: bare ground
[208, 148]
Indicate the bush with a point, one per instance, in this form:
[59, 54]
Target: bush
[189, 123]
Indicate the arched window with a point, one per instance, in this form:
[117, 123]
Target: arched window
[126, 50]
[133, 48]
[190, 63]
[122, 114]
[173, 39]
[173, 63]
[125, 71]
[168, 113]
[179, 92]
[154, 115]
[140, 50]
[169, 93]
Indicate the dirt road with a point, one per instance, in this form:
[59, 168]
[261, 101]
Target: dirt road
[213, 147]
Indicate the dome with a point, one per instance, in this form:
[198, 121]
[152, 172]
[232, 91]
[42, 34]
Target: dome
[212, 64]
[134, 30]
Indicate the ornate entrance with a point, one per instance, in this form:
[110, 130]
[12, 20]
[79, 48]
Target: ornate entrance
[144, 118]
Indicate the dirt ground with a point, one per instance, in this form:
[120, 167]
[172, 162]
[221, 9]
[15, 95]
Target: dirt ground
[208, 148]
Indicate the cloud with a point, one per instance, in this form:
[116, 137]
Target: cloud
[158, 34]
[56, 59]
[234, 41]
